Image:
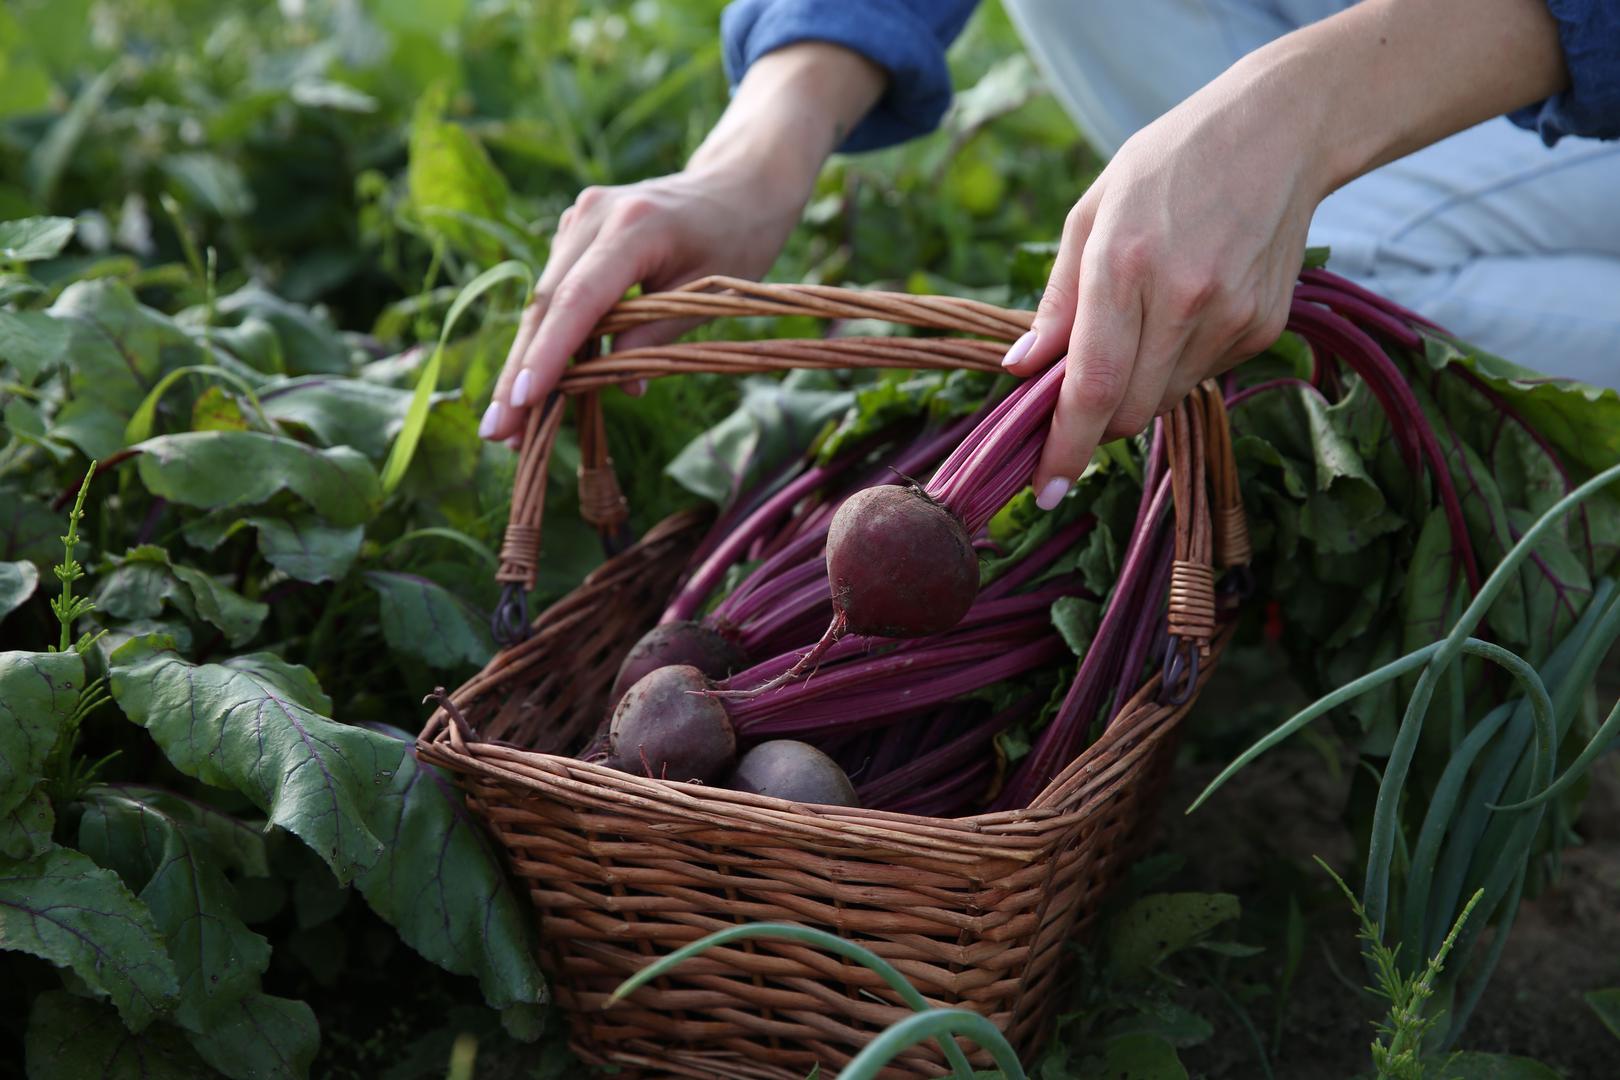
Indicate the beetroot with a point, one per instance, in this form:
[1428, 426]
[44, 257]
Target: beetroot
[899, 564]
[664, 728]
[674, 644]
[795, 771]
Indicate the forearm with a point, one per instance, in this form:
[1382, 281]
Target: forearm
[791, 110]
[1387, 77]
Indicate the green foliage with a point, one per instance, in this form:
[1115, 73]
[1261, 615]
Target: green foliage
[1397, 1052]
[61, 907]
[243, 252]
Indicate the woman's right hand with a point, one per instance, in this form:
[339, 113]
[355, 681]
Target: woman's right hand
[658, 233]
[728, 212]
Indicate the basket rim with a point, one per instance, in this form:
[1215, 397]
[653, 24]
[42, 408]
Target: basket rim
[1023, 834]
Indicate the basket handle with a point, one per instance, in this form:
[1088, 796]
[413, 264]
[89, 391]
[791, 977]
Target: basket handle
[601, 502]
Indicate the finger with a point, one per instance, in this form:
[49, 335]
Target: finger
[653, 334]
[575, 232]
[1048, 338]
[1102, 348]
[1159, 357]
[592, 286]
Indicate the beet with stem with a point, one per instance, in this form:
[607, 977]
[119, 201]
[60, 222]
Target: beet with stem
[795, 771]
[675, 644]
[664, 727]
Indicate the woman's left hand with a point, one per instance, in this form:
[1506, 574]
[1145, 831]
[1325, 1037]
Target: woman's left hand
[1175, 265]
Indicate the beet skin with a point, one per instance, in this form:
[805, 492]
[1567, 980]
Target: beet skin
[663, 728]
[686, 642]
[899, 564]
[795, 771]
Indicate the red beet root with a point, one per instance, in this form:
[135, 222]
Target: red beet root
[899, 564]
[795, 771]
[677, 643]
[663, 728]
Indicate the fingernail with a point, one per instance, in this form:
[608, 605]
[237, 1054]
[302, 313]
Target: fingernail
[1052, 493]
[520, 389]
[1019, 350]
[491, 420]
[637, 388]
[515, 443]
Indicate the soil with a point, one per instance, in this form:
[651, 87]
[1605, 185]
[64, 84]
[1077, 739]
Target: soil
[1258, 837]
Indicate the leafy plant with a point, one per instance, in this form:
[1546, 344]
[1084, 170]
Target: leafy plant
[135, 890]
[1397, 1053]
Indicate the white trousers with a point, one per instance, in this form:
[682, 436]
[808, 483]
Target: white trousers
[1511, 245]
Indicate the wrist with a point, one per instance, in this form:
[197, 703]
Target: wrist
[1386, 77]
[793, 108]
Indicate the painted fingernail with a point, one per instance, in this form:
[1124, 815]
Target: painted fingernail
[1019, 350]
[1052, 493]
[520, 389]
[491, 420]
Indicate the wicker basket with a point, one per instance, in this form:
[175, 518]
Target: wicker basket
[622, 869]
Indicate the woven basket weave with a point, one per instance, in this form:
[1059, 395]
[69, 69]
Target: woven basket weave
[622, 869]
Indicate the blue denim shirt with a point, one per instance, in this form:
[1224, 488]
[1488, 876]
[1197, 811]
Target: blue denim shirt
[908, 39]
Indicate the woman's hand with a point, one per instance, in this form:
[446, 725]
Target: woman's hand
[658, 233]
[728, 212]
[1179, 261]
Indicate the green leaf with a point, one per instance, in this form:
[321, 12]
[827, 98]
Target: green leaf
[450, 176]
[261, 1037]
[214, 469]
[25, 82]
[1077, 620]
[1156, 926]
[118, 350]
[26, 830]
[309, 344]
[251, 724]
[210, 182]
[35, 238]
[144, 417]
[65, 909]
[1476, 1065]
[38, 695]
[236, 843]
[145, 580]
[1606, 1003]
[425, 621]
[340, 411]
[50, 155]
[1168, 1021]
[1582, 421]
[404, 448]
[439, 883]
[893, 397]
[1140, 1057]
[28, 528]
[300, 546]
[70, 1038]
[178, 876]
[427, 16]
[775, 421]
[32, 341]
[18, 580]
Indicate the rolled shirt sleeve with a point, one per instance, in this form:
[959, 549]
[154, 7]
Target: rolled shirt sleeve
[1589, 31]
[907, 38]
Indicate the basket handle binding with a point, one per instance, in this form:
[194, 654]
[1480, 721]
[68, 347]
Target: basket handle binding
[1202, 418]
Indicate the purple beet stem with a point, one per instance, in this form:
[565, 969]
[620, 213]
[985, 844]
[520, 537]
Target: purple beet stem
[1099, 668]
[916, 776]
